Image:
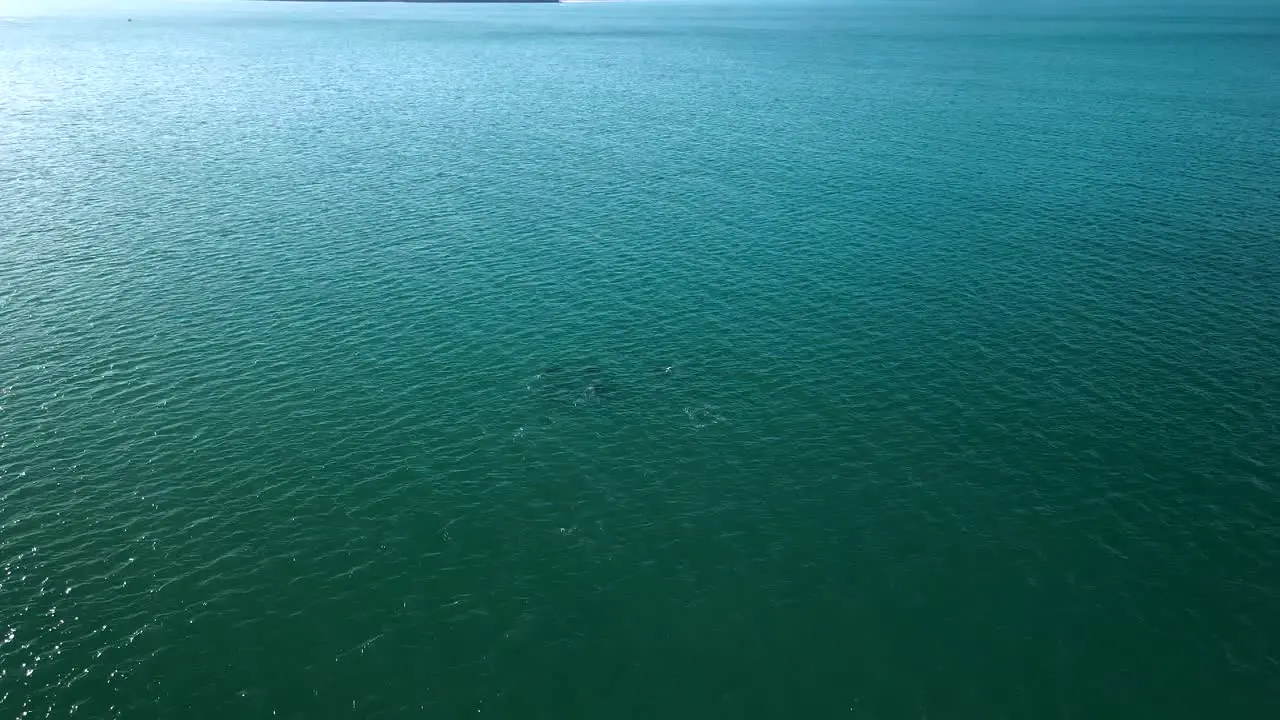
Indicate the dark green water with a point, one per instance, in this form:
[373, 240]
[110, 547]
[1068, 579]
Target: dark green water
[648, 360]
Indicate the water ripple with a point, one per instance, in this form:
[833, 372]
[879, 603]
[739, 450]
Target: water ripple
[382, 361]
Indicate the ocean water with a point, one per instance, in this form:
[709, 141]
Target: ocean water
[640, 360]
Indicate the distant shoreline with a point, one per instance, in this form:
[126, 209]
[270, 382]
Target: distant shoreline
[428, 1]
[456, 2]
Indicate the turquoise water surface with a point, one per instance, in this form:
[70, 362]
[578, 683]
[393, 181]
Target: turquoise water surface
[875, 359]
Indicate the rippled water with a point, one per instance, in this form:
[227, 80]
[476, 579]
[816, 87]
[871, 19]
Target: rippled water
[872, 360]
